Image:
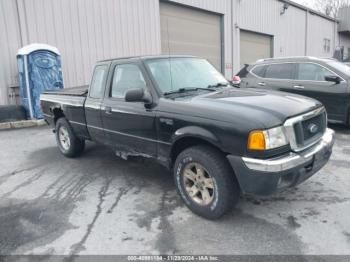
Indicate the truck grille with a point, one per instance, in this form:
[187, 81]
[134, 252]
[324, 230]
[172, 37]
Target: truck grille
[310, 130]
[306, 130]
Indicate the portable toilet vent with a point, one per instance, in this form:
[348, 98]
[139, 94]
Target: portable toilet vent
[39, 68]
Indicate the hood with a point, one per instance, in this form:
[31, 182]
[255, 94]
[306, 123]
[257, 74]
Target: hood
[263, 108]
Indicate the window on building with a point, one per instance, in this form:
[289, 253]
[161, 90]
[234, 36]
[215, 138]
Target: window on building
[312, 72]
[280, 71]
[97, 83]
[326, 45]
[126, 77]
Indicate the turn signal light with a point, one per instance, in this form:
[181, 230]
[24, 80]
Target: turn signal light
[256, 141]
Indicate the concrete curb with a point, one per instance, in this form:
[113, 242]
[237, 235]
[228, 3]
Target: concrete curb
[22, 124]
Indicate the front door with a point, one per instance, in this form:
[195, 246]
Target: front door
[310, 81]
[130, 126]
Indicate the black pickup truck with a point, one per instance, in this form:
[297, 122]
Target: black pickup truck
[219, 140]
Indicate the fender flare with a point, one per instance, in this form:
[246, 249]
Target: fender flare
[198, 133]
[195, 131]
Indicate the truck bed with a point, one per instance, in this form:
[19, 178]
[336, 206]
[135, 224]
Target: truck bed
[70, 102]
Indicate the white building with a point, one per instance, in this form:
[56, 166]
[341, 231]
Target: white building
[227, 32]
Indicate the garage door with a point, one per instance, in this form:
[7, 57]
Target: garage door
[254, 46]
[186, 31]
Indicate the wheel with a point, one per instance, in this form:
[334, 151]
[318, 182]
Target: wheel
[205, 182]
[69, 145]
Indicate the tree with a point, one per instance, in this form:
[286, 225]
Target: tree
[330, 7]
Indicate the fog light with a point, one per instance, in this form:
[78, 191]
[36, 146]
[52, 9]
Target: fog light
[285, 181]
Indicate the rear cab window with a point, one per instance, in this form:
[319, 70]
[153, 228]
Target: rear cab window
[97, 86]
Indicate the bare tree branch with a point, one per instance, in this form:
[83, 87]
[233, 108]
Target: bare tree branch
[330, 7]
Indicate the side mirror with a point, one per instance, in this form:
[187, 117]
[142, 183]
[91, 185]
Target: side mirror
[334, 79]
[138, 95]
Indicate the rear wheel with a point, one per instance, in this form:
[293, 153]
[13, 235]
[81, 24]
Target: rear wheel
[69, 144]
[206, 182]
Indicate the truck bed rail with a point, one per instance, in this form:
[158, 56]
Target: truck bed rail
[75, 91]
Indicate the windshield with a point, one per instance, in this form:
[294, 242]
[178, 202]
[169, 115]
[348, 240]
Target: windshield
[172, 74]
[340, 67]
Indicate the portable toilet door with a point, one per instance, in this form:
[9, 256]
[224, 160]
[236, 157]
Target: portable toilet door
[39, 67]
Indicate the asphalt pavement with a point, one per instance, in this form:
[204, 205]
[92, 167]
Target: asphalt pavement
[100, 204]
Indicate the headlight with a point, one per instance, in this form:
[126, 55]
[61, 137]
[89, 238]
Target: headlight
[260, 140]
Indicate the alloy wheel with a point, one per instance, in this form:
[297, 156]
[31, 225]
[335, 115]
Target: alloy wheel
[63, 136]
[199, 184]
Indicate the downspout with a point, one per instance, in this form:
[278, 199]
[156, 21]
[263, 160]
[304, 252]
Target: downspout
[232, 39]
[335, 37]
[19, 24]
[27, 86]
[306, 32]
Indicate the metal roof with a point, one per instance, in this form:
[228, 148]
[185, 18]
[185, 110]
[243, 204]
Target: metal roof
[310, 10]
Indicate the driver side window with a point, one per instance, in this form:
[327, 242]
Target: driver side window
[126, 77]
[312, 72]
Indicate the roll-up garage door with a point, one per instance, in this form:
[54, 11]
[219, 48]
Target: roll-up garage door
[187, 31]
[254, 46]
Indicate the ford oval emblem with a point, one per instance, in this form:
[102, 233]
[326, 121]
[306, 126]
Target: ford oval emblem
[313, 129]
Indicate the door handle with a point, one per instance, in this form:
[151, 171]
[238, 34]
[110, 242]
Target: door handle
[299, 87]
[262, 84]
[108, 110]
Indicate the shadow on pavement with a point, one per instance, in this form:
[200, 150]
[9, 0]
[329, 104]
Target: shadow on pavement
[340, 128]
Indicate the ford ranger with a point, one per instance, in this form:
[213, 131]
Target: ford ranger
[220, 141]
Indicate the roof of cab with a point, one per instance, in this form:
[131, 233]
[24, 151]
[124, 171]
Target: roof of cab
[147, 57]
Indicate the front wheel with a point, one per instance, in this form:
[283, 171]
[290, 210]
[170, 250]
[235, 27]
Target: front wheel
[69, 144]
[206, 182]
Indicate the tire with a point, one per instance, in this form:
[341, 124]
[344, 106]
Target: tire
[218, 188]
[69, 144]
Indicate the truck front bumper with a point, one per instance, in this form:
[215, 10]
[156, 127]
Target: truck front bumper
[267, 176]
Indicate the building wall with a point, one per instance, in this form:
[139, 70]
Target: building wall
[344, 40]
[291, 38]
[224, 8]
[84, 31]
[320, 29]
[297, 32]
[89, 30]
[288, 30]
[10, 41]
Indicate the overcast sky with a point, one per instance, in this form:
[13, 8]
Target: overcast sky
[305, 2]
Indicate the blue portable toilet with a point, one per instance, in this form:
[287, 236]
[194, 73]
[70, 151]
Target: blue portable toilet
[39, 67]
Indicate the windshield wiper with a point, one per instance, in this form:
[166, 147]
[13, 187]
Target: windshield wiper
[219, 85]
[188, 89]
